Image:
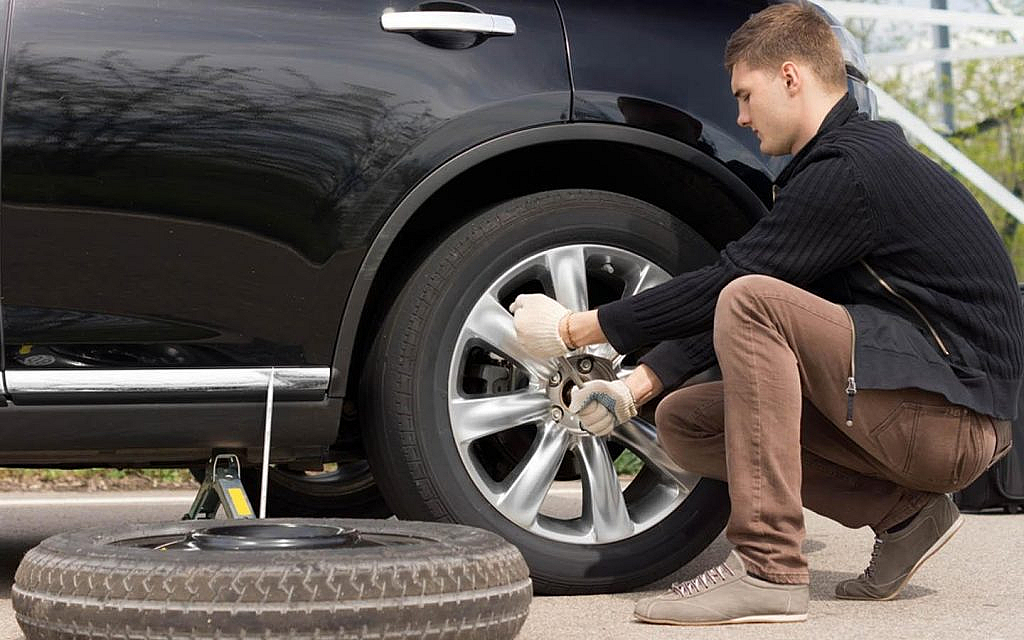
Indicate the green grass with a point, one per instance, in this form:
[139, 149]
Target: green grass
[11, 479]
[628, 464]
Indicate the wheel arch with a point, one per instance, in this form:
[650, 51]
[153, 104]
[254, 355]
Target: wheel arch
[684, 181]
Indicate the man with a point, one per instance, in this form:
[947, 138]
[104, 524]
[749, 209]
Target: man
[868, 330]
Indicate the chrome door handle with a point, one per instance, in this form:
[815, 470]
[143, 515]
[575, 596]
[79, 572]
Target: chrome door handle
[482, 23]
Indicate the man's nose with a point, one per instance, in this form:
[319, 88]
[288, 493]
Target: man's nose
[742, 119]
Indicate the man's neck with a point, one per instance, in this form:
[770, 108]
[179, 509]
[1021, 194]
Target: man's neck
[817, 111]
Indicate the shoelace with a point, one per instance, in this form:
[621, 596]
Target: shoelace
[703, 581]
[875, 552]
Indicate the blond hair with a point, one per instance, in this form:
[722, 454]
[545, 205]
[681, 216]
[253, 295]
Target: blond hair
[788, 32]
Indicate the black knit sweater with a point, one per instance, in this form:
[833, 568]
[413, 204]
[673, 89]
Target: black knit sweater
[863, 219]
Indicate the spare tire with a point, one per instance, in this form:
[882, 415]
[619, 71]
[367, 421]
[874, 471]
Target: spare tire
[273, 578]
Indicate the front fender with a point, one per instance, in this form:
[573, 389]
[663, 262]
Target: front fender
[753, 206]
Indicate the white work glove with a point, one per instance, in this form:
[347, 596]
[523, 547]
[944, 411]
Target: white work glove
[536, 319]
[602, 404]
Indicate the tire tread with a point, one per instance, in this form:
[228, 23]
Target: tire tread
[79, 586]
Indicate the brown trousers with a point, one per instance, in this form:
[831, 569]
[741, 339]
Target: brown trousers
[775, 429]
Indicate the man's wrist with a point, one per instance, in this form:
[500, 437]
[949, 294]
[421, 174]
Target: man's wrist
[565, 332]
[580, 328]
[643, 384]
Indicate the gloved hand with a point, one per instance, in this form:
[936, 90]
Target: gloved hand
[536, 321]
[602, 404]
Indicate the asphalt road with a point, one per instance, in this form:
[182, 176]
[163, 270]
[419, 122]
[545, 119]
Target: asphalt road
[973, 589]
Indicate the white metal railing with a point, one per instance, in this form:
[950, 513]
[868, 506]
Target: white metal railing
[923, 16]
[890, 108]
[890, 58]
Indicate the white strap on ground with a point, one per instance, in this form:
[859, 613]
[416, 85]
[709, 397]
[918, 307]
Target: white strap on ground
[266, 443]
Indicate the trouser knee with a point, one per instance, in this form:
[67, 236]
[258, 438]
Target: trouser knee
[740, 299]
[684, 430]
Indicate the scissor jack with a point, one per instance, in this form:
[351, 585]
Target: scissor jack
[222, 485]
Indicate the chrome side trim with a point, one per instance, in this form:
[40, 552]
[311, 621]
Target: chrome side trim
[165, 385]
[411, 21]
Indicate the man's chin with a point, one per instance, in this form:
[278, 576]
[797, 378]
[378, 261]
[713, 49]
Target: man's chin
[772, 151]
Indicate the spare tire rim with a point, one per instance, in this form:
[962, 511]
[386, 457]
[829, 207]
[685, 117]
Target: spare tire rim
[252, 535]
[534, 408]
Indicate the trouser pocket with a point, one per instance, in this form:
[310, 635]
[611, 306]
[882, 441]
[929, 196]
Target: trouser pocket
[1004, 440]
[927, 447]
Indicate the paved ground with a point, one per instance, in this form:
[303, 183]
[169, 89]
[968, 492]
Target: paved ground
[974, 589]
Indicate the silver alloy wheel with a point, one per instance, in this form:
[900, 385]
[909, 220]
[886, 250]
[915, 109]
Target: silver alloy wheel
[607, 512]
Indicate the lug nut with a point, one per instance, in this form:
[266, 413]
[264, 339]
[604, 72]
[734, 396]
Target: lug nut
[586, 365]
[556, 413]
[556, 379]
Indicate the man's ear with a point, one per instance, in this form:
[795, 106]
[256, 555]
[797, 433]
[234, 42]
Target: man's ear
[790, 73]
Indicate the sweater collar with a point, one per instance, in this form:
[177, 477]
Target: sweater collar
[839, 115]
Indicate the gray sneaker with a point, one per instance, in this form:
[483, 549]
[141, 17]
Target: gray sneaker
[726, 594]
[896, 556]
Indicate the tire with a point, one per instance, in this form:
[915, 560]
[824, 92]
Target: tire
[349, 491]
[428, 580]
[430, 467]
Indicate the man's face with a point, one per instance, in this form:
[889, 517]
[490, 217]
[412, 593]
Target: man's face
[767, 107]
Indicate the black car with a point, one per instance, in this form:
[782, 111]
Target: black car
[351, 193]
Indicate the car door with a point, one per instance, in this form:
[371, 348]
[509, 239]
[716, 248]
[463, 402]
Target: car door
[190, 186]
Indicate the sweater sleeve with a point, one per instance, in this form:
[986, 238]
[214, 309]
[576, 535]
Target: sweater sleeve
[820, 222]
[673, 361]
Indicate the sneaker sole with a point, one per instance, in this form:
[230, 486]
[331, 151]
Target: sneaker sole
[780, 617]
[941, 542]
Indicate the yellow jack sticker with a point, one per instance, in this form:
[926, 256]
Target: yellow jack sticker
[239, 501]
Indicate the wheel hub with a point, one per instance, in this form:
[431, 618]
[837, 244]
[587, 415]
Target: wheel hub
[592, 507]
[570, 373]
